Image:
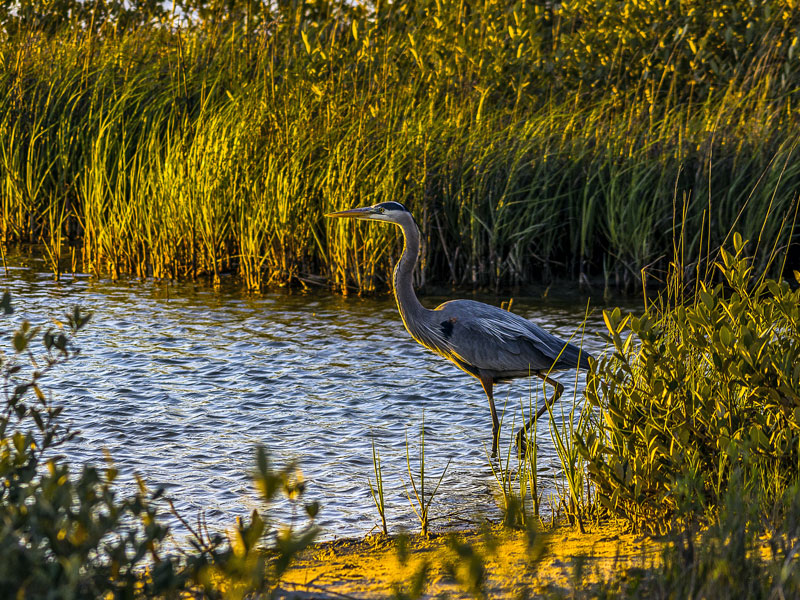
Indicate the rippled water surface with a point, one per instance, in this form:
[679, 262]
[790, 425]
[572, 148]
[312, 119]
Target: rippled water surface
[180, 382]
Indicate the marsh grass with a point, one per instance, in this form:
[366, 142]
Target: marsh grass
[517, 473]
[511, 483]
[421, 503]
[519, 488]
[529, 469]
[516, 476]
[216, 148]
[571, 488]
[377, 490]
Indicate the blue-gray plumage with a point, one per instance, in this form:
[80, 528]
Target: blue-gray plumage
[487, 342]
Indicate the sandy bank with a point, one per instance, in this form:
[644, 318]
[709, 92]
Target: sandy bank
[512, 567]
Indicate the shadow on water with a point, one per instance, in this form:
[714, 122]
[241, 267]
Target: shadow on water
[179, 382]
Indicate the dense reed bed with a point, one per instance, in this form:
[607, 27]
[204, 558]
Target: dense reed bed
[529, 142]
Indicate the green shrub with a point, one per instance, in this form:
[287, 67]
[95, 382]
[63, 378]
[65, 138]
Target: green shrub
[744, 552]
[693, 391]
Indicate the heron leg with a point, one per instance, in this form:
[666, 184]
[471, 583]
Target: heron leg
[558, 389]
[487, 383]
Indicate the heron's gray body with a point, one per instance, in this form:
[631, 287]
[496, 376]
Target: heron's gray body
[488, 342]
[510, 345]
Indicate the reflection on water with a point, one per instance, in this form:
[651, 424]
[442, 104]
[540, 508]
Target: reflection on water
[180, 382]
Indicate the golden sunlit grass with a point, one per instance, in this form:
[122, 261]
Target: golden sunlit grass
[528, 141]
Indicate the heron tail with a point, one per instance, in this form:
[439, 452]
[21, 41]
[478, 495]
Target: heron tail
[573, 357]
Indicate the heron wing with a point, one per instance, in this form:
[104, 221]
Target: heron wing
[492, 339]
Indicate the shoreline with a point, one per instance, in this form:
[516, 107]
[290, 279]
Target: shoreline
[512, 563]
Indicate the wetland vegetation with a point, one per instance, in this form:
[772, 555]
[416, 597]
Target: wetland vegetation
[612, 141]
[531, 140]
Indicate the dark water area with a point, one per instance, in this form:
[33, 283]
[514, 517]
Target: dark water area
[180, 383]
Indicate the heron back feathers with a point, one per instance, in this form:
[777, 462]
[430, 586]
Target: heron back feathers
[479, 337]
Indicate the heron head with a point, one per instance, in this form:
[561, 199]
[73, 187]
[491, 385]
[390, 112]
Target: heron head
[393, 212]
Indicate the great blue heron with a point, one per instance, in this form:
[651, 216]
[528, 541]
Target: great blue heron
[487, 342]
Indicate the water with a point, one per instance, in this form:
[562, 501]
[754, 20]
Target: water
[179, 383]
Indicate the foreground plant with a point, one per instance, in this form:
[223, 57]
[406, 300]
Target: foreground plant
[255, 555]
[743, 552]
[695, 391]
[422, 503]
[64, 532]
[413, 586]
[377, 490]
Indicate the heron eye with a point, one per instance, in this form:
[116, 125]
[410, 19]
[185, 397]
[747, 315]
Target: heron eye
[383, 210]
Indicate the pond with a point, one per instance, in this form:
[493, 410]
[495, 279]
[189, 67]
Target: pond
[180, 383]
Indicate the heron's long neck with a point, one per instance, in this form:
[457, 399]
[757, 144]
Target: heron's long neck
[410, 308]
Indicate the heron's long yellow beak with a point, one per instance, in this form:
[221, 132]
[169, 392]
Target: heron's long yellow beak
[354, 213]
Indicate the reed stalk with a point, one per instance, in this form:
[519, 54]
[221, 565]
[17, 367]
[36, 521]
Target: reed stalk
[200, 152]
[421, 503]
[377, 490]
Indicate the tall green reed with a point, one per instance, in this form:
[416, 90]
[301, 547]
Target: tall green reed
[422, 502]
[216, 150]
[377, 490]
[519, 486]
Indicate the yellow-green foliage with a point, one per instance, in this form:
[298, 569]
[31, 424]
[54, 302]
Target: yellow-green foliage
[526, 138]
[695, 391]
[691, 44]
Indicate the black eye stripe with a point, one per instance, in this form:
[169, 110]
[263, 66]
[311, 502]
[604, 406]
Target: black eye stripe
[392, 206]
